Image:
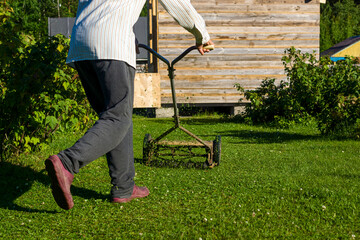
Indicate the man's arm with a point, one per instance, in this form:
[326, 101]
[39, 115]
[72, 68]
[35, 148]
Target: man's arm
[185, 14]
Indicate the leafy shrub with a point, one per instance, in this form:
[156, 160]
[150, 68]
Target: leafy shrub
[314, 88]
[271, 103]
[40, 94]
[340, 105]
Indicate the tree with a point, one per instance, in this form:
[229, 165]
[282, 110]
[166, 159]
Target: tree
[31, 16]
[339, 21]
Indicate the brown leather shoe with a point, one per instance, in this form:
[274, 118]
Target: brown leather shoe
[61, 180]
[138, 192]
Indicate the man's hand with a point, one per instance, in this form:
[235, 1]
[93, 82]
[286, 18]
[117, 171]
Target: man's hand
[202, 48]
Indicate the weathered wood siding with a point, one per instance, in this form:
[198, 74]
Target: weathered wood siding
[147, 90]
[250, 38]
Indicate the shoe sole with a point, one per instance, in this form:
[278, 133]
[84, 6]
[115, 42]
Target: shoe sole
[57, 179]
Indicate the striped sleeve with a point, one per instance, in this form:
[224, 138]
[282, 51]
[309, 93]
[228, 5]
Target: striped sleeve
[185, 14]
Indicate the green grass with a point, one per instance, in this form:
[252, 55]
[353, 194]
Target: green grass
[275, 184]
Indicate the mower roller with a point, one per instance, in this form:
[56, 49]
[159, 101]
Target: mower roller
[160, 149]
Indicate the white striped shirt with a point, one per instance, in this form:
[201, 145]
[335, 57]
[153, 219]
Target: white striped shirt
[103, 29]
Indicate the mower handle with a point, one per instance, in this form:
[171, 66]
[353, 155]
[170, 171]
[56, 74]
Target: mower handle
[183, 55]
[171, 75]
[210, 47]
[154, 53]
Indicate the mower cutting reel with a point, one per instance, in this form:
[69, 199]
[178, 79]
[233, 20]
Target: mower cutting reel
[163, 149]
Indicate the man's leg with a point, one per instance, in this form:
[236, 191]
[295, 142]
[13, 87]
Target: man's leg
[122, 172]
[111, 133]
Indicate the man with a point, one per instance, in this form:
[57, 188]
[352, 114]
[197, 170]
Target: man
[102, 49]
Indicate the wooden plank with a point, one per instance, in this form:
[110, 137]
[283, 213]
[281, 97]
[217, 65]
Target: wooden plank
[253, 21]
[243, 29]
[217, 3]
[242, 43]
[206, 69]
[244, 58]
[221, 84]
[250, 8]
[273, 7]
[165, 18]
[168, 52]
[212, 64]
[229, 71]
[256, 2]
[201, 92]
[147, 90]
[245, 36]
[189, 79]
[259, 8]
[311, 2]
[230, 99]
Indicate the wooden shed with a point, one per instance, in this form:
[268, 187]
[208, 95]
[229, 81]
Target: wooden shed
[348, 47]
[250, 38]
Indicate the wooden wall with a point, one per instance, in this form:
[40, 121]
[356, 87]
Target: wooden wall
[250, 38]
[147, 90]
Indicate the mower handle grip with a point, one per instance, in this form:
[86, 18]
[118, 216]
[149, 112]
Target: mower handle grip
[209, 47]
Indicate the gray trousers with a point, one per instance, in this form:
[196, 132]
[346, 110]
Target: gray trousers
[109, 87]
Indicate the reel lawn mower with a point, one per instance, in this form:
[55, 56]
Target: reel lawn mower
[163, 149]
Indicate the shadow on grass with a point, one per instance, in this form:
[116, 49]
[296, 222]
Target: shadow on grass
[193, 120]
[17, 180]
[203, 121]
[174, 163]
[253, 136]
[265, 135]
[346, 176]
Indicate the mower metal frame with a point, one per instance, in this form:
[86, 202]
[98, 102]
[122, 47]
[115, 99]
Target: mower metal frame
[151, 144]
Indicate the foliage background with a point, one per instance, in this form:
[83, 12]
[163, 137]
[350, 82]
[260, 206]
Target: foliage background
[31, 16]
[40, 94]
[340, 19]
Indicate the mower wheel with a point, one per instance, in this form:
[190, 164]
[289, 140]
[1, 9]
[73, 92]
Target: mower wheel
[217, 150]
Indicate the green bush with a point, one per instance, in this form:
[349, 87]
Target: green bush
[272, 104]
[262, 109]
[340, 107]
[40, 95]
[314, 89]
